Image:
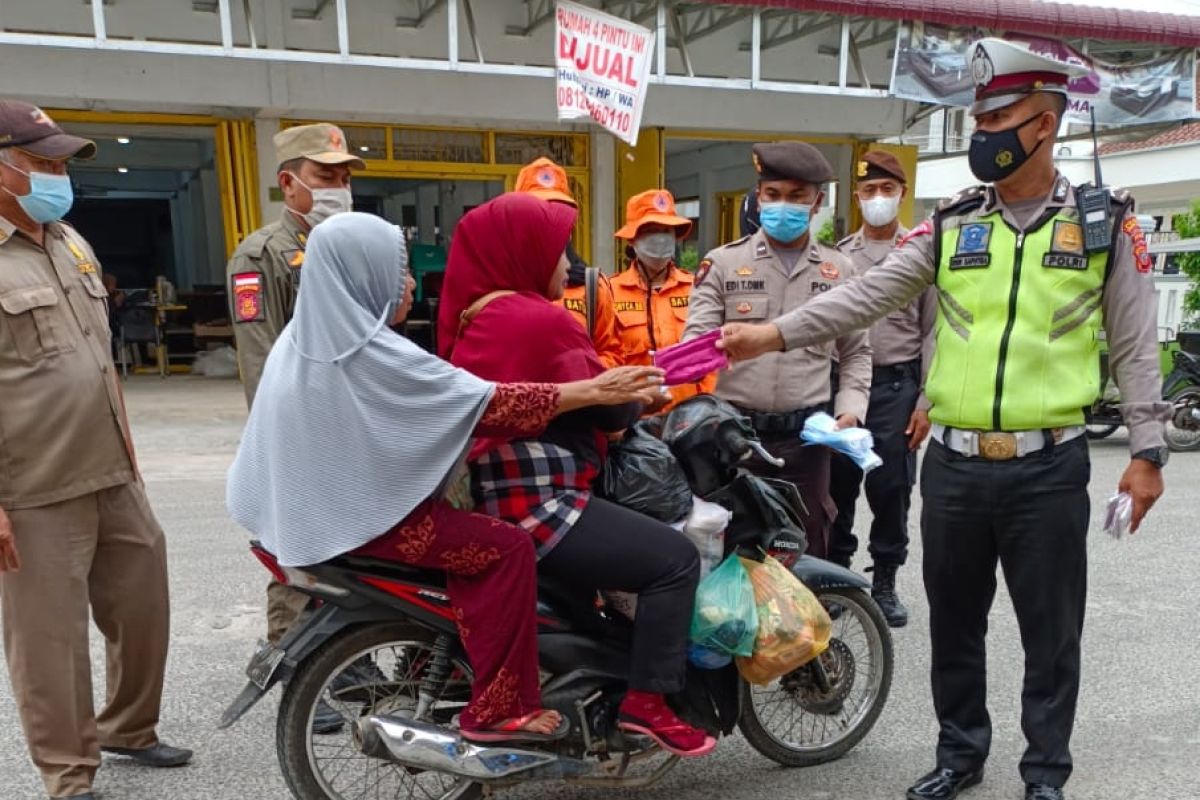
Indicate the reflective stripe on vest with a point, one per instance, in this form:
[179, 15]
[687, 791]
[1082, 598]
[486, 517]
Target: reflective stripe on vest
[1018, 324]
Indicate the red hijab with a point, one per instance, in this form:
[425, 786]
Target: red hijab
[513, 242]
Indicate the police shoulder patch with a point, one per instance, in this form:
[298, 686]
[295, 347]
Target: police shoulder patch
[702, 270]
[248, 297]
[1137, 240]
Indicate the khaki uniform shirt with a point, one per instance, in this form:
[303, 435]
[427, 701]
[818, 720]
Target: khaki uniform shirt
[905, 334]
[264, 277]
[63, 432]
[746, 281]
[1129, 307]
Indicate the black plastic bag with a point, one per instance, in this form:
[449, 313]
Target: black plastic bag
[643, 475]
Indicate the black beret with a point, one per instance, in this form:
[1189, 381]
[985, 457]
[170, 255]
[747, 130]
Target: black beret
[877, 164]
[791, 161]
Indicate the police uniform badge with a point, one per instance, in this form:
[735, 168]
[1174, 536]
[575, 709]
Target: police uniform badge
[744, 272]
[971, 252]
[247, 297]
[1066, 247]
[744, 307]
[294, 258]
[82, 262]
[702, 270]
[829, 271]
[761, 250]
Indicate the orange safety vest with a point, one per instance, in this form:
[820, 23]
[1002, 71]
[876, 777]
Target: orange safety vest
[604, 330]
[650, 320]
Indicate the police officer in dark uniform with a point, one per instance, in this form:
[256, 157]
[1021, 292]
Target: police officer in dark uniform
[1022, 298]
[901, 350]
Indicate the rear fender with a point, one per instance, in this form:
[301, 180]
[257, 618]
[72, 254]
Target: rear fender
[818, 574]
[273, 664]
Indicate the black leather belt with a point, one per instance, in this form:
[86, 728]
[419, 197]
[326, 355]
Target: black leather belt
[780, 421]
[895, 372]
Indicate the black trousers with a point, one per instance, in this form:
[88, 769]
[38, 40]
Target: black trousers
[894, 394]
[611, 547]
[807, 467]
[1031, 515]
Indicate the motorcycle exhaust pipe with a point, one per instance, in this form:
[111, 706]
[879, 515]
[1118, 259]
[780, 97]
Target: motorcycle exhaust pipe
[428, 747]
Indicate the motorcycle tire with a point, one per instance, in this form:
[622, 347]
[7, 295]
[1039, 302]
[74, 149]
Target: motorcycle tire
[1095, 431]
[1183, 440]
[851, 601]
[296, 710]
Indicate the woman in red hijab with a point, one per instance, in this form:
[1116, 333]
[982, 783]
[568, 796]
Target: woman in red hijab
[500, 318]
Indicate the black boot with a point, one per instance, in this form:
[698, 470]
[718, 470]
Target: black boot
[883, 590]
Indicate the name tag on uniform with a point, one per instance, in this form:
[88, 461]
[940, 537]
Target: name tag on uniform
[575, 304]
[628, 305]
[680, 302]
[247, 297]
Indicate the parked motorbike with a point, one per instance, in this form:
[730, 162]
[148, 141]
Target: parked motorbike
[380, 646]
[1181, 388]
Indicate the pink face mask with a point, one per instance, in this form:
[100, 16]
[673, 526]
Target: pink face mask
[692, 360]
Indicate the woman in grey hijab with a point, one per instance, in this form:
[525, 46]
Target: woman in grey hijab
[353, 433]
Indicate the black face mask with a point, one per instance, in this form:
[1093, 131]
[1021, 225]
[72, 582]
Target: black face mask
[994, 155]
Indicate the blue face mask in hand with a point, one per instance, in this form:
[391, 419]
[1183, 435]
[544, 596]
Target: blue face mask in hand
[50, 196]
[784, 222]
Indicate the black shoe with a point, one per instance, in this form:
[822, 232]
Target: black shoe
[944, 784]
[1043, 791]
[326, 720]
[883, 591]
[160, 755]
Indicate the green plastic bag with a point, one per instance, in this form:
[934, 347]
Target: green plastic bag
[726, 615]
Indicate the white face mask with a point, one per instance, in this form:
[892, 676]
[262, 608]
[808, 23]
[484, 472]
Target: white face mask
[325, 203]
[880, 210]
[655, 248]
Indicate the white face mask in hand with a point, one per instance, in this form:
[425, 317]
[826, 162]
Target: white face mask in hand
[880, 210]
[325, 203]
[655, 248]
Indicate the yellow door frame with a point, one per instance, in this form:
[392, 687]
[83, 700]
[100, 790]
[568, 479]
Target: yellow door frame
[488, 170]
[236, 161]
[729, 214]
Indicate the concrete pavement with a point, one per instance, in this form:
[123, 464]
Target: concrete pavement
[1138, 730]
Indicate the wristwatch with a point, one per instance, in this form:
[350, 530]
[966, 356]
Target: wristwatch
[1155, 455]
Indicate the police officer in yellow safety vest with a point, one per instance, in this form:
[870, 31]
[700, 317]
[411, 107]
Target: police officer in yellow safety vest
[1022, 301]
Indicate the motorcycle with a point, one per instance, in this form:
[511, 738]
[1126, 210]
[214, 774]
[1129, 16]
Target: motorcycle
[380, 646]
[1181, 388]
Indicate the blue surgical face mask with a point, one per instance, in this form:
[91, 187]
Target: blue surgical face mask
[50, 196]
[784, 222]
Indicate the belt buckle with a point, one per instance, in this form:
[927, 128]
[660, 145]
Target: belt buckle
[997, 445]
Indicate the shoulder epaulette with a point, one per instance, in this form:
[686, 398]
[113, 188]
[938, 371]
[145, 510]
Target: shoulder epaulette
[845, 241]
[736, 242]
[970, 197]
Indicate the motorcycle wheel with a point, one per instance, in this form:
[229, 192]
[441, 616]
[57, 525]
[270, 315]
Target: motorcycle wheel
[1098, 431]
[366, 670]
[1185, 437]
[796, 724]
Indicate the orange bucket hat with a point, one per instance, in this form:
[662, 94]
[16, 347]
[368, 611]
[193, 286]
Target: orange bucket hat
[546, 180]
[654, 206]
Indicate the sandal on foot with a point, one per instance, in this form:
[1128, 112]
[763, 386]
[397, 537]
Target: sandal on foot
[513, 730]
[650, 716]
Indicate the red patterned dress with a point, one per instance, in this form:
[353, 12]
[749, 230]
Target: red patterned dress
[491, 571]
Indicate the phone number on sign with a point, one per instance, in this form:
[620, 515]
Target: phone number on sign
[611, 118]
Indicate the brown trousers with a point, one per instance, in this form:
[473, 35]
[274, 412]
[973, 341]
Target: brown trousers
[105, 550]
[284, 606]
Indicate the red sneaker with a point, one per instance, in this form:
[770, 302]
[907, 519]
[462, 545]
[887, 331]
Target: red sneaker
[649, 715]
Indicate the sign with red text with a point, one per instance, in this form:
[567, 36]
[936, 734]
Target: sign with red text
[603, 68]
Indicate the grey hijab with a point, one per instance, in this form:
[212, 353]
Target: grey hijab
[353, 425]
